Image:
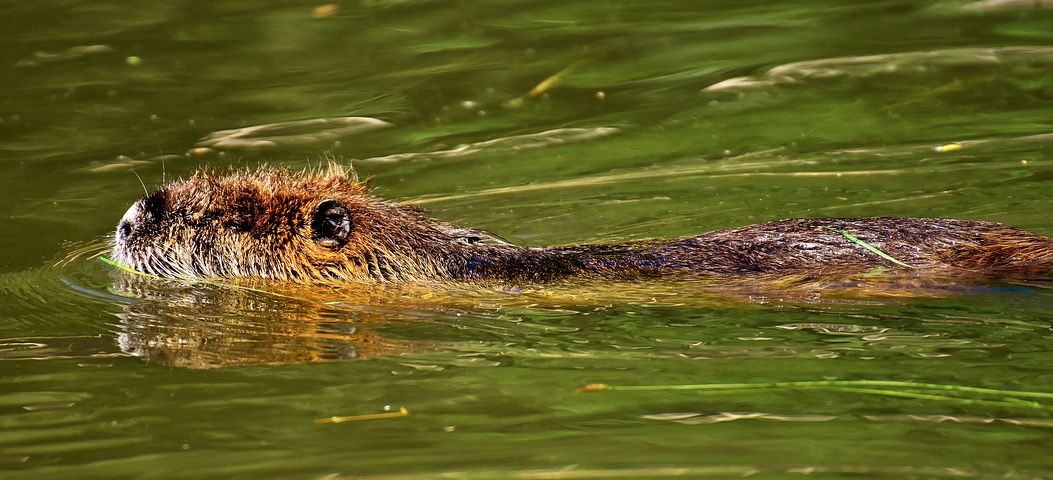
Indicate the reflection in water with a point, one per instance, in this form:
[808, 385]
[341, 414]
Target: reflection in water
[205, 326]
[42, 57]
[514, 143]
[312, 132]
[884, 64]
[210, 326]
[1008, 4]
[760, 470]
[699, 418]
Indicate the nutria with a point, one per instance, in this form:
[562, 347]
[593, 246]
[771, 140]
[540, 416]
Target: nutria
[323, 227]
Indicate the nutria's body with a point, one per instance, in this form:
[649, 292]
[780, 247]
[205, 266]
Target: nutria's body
[324, 228]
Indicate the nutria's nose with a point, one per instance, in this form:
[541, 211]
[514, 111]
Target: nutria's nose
[125, 227]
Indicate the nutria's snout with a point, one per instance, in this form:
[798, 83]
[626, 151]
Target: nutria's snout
[127, 224]
[136, 224]
[126, 230]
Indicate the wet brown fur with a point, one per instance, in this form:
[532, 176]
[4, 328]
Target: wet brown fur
[259, 224]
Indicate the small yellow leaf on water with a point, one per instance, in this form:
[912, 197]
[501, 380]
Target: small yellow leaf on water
[950, 147]
[592, 387]
[326, 10]
[373, 416]
[200, 152]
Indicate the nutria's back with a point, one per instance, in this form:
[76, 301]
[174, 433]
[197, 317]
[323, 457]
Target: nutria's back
[322, 227]
[820, 244]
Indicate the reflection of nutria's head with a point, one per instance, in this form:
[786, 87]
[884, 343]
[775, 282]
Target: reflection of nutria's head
[313, 227]
[197, 326]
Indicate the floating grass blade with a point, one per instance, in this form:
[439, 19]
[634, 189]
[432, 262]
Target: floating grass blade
[867, 246]
[128, 269]
[825, 383]
[355, 418]
[1007, 403]
[901, 389]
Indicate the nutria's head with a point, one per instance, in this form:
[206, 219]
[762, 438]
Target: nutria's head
[271, 223]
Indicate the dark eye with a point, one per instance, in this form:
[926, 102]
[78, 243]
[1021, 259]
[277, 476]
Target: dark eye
[331, 224]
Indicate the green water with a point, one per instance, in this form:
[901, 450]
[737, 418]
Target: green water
[666, 119]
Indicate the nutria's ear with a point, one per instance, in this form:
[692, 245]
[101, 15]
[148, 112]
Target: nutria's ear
[331, 224]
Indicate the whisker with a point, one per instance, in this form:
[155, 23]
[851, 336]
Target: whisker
[161, 156]
[147, 192]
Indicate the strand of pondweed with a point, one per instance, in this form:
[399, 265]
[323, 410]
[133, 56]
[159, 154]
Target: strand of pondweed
[873, 384]
[1007, 403]
[128, 269]
[867, 246]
